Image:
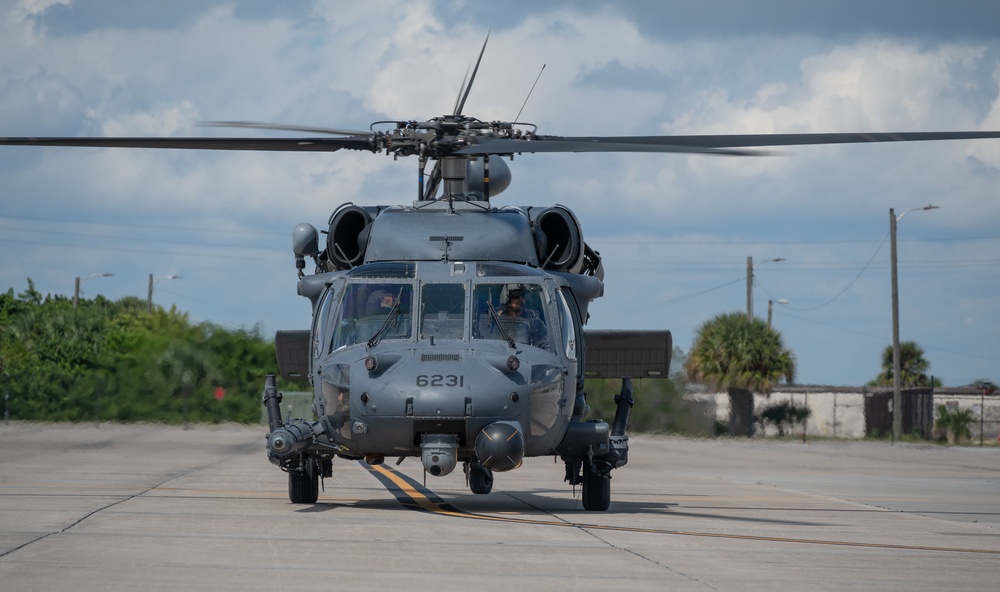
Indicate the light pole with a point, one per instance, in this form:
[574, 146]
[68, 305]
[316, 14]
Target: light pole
[149, 294]
[897, 400]
[76, 291]
[770, 308]
[750, 268]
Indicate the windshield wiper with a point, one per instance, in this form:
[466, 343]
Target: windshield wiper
[387, 323]
[496, 320]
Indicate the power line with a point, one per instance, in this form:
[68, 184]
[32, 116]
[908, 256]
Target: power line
[131, 250]
[811, 241]
[702, 292]
[129, 238]
[849, 284]
[146, 226]
[714, 266]
[883, 338]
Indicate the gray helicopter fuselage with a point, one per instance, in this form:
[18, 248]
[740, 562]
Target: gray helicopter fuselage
[444, 364]
[449, 330]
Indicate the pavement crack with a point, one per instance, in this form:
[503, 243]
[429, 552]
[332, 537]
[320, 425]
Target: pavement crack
[95, 511]
[585, 529]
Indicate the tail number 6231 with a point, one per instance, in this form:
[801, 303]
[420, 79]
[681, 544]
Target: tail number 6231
[440, 380]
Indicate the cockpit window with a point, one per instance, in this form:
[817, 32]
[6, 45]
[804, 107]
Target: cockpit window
[442, 311]
[365, 307]
[520, 310]
[321, 323]
[569, 333]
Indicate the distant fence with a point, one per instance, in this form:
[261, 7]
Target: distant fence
[917, 409]
[859, 412]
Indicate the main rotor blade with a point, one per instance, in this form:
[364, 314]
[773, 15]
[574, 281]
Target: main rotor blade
[510, 146]
[268, 144]
[468, 88]
[709, 144]
[285, 128]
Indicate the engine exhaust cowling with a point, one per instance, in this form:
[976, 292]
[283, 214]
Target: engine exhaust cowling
[558, 239]
[348, 237]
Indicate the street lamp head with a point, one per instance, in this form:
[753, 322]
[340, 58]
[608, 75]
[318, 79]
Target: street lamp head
[927, 207]
[94, 275]
[772, 260]
[782, 301]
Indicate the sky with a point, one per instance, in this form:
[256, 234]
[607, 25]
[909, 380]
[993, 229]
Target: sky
[674, 231]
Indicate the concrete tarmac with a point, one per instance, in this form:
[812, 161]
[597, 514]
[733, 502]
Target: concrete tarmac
[162, 508]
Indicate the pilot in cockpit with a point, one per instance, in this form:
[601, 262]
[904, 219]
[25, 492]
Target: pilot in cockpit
[380, 301]
[515, 308]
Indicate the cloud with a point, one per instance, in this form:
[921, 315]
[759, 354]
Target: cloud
[668, 225]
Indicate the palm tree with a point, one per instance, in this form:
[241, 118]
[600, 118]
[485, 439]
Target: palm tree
[913, 366]
[742, 356]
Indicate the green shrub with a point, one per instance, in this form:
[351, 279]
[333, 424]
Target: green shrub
[953, 424]
[785, 416]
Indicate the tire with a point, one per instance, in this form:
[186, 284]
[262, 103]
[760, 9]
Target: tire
[596, 490]
[303, 488]
[481, 480]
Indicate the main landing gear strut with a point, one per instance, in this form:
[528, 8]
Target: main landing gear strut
[594, 471]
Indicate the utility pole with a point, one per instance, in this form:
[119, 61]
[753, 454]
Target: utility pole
[750, 268]
[897, 398]
[897, 414]
[76, 290]
[149, 293]
[770, 309]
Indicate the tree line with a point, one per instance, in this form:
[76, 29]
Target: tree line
[107, 360]
[104, 360]
[116, 361]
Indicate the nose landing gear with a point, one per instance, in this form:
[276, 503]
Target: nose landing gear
[478, 478]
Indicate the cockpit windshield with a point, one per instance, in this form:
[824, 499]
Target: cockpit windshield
[519, 313]
[371, 312]
[442, 311]
[365, 308]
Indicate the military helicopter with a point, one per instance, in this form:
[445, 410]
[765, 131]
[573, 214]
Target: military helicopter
[452, 329]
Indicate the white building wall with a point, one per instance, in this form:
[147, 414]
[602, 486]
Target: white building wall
[834, 414]
[841, 414]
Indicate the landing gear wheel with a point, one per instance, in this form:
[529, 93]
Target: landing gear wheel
[596, 490]
[303, 487]
[480, 479]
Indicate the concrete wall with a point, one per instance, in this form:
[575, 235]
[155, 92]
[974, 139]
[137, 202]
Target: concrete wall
[839, 412]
